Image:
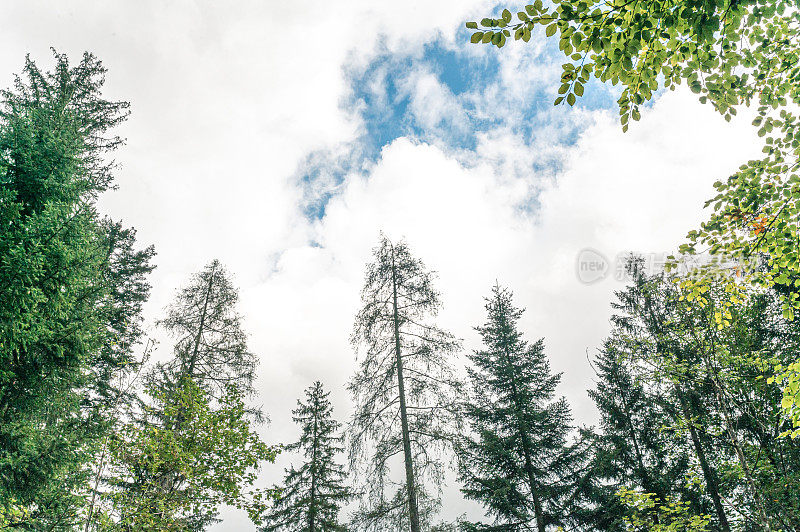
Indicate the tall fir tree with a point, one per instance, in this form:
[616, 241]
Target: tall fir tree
[312, 495]
[404, 390]
[642, 340]
[636, 446]
[517, 463]
[62, 296]
[687, 415]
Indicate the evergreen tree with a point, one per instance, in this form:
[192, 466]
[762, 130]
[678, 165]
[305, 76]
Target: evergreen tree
[57, 288]
[312, 495]
[125, 276]
[635, 448]
[683, 396]
[517, 464]
[643, 338]
[404, 390]
[115, 365]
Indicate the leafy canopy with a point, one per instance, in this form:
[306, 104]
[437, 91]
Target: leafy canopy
[731, 53]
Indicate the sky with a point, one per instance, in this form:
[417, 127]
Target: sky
[282, 137]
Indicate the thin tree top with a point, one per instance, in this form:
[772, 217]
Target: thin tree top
[210, 343]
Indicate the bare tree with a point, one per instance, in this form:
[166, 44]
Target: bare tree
[210, 344]
[404, 389]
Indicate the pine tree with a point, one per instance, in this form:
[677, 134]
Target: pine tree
[518, 463]
[313, 494]
[404, 389]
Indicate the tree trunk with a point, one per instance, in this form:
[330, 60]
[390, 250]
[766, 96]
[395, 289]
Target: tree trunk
[201, 325]
[762, 514]
[526, 450]
[719, 394]
[413, 512]
[313, 503]
[712, 483]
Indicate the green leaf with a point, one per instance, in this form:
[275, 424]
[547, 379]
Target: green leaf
[476, 37]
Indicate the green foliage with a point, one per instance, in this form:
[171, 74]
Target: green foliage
[517, 464]
[59, 276]
[731, 53]
[711, 383]
[191, 446]
[649, 514]
[311, 496]
[182, 458]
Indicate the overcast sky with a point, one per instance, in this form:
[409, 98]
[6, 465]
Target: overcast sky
[282, 136]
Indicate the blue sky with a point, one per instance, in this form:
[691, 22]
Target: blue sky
[382, 92]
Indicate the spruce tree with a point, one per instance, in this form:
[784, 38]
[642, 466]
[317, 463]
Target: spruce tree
[58, 288]
[404, 390]
[635, 447]
[644, 342]
[313, 494]
[517, 462]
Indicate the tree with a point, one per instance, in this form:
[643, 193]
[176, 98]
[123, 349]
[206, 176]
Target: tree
[313, 494]
[210, 344]
[718, 409]
[731, 53]
[197, 392]
[168, 478]
[644, 417]
[56, 286]
[653, 515]
[517, 463]
[125, 276]
[404, 388]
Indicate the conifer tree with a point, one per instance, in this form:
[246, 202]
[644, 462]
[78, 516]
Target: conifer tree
[518, 462]
[686, 414]
[211, 369]
[58, 288]
[634, 448]
[313, 494]
[210, 345]
[642, 341]
[404, 390]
